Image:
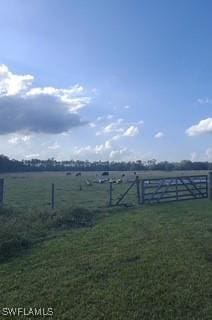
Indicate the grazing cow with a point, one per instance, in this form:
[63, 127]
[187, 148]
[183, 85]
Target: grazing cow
[105, 173]
[68, 173]
[134, 172]
[123, 175]
[78, 174]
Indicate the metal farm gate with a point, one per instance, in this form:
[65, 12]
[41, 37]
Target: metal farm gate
[158, 190]
[174, 189]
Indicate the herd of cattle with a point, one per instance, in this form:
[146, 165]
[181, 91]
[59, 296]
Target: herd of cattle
[101, 178]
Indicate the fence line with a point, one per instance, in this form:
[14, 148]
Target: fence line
[148, 190]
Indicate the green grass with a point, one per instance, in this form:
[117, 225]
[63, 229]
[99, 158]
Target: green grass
[151, 262]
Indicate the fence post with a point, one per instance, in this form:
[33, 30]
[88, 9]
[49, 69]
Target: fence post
[138, 189]
[142, 191]
[176, 182]
[210, 185]
[52, 197]
[80, 187]
[1, 191]
[110, 193]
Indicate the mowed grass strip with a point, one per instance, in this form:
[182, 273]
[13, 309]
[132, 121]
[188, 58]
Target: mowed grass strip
[152, 262]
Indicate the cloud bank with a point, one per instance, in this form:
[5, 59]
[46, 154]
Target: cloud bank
[105, 150]
[40, 110]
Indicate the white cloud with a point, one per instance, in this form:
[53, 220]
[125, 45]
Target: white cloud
[99, 149]
[12, 84]
[104, 118]
[116, 137]
[123, 127]
[103, 151]
[38, 109]
[159, 135]
[203, 127]
[32, 155]
[72, 97]
[67, 133]
[54, 146]
[204, 100]
[118, 126]
[108, 151]
[132, 131]
[127, 107]
[113, 127]
[15, 139]
[120, 154]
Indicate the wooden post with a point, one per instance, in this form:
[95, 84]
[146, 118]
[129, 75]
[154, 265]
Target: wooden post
[138, 189]
[142, 191]
[110, 193]
[210, 185]
[52, 197]
[80, 187]
[1, 192]
[176, 182]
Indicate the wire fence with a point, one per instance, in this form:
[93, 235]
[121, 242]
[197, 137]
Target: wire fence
[50, 191]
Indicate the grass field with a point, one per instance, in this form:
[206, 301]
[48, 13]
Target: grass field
[147, 262]
[33, 190]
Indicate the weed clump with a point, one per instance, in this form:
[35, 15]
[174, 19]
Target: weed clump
[12, 247]
[75, 218]
[19, 230]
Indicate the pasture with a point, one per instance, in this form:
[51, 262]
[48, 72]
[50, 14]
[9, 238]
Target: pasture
[33, 190]
[144, 262]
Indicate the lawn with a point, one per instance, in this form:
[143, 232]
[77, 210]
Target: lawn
[150, 262]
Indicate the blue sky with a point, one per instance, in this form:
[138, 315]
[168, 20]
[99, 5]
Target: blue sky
[109, 80]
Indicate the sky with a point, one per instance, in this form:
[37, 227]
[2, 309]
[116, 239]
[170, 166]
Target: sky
[106, 80]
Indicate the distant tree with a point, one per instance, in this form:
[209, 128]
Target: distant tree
[8, 165]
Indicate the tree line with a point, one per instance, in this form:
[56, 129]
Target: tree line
[12, 165]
